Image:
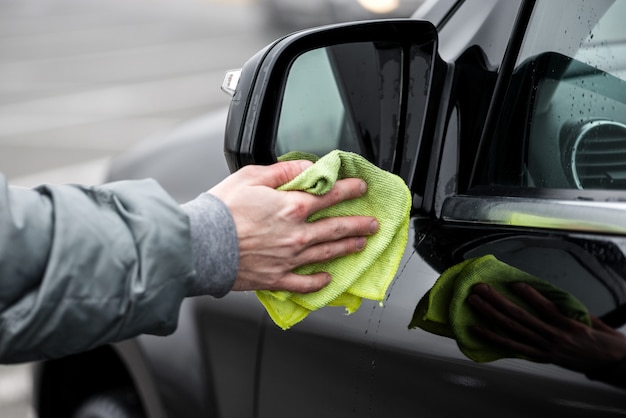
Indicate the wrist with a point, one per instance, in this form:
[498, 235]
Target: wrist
[214, 245]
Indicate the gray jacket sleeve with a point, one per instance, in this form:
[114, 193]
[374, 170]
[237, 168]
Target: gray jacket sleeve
[81, 266]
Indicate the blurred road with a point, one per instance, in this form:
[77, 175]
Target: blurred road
[83, 80]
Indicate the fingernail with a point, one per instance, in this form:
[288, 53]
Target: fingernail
[373, 226]
[474, 300]
[360, 243]
[304, 164]
[329, 279]
[363, 187]
[480, 288]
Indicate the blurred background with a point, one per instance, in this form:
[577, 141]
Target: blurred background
[81, 81]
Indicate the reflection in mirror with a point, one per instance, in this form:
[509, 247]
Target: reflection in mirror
[313, 115]
[346, 97]
[543, 332]
[494, 310]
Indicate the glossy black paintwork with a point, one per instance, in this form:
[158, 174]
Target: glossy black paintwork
[370, 363]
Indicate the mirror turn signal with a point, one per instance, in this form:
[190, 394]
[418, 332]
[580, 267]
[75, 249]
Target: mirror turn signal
[231, 79]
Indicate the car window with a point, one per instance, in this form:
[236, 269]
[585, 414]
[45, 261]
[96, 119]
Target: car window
[563, 125]
[556, 161]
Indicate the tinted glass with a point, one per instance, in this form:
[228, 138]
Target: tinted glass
[313, 96]
[345, 97]
[564, 122]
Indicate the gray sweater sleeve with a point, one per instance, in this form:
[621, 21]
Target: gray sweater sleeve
[212, 232]
[85, 266]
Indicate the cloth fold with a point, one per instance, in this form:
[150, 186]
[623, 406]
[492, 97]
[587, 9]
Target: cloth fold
[443, 310]
[366, 274]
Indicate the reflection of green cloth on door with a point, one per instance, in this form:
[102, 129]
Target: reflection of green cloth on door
[365, 274]
[443, 310]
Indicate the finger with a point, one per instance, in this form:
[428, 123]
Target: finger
[339, 227]
[300, 283]
[534, 328]
[330, 250]
[598, 324]
[548, 310]
[506, 315]
[345, 189]
[277, 174]
[513, 346]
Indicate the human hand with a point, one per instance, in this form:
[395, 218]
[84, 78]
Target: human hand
[274, 235]
[551, 337]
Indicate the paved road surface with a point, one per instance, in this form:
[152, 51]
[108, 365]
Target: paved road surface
[82, 80]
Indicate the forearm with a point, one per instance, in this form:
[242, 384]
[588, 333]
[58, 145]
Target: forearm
[86, 266]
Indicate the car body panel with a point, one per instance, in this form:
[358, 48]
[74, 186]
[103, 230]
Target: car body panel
[186, 161]
[387, 369]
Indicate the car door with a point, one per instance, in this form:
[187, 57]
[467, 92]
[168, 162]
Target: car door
[529, 195]
[555, 160]
[546, 192]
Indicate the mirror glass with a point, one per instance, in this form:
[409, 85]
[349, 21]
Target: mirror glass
[344, 96]
[313, 114]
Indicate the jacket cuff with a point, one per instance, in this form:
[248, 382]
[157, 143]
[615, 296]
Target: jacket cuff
[214, 244]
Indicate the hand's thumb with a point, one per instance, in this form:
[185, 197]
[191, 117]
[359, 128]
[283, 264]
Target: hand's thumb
[277, 174]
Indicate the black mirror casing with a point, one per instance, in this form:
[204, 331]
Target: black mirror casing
[256, 106]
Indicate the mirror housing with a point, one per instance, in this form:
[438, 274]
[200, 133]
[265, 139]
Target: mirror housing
[407, 125]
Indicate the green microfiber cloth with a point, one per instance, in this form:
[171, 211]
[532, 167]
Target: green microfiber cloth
[443, 310]
[365, 274]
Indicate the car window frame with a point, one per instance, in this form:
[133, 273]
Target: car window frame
[571, 210]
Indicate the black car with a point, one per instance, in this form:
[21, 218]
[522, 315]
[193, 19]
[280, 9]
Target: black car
[507, 120]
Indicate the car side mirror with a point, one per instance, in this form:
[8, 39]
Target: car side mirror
[365, 87]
